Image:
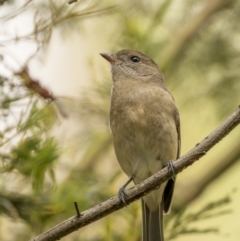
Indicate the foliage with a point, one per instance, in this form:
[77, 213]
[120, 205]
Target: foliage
[181, 223]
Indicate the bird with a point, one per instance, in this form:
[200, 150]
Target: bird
[145, 127]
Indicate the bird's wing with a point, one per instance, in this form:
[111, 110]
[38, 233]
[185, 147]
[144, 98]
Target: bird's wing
[168, 191]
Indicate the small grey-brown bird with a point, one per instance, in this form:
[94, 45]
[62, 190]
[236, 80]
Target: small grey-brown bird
[145, 126]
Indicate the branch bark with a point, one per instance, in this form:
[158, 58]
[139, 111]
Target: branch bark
[103, 209]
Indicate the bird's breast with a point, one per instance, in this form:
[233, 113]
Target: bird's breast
[142, 109]
[144, 130]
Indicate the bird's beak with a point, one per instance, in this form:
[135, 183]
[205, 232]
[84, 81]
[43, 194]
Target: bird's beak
[111, 58]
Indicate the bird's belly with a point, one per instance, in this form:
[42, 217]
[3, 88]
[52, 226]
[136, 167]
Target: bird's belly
[143, 146]
[144, 153]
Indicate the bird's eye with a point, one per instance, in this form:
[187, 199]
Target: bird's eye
[135, 59]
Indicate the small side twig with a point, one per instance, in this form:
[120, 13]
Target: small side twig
[77, 209]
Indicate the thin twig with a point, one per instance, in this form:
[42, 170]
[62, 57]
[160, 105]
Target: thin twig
[77, 209]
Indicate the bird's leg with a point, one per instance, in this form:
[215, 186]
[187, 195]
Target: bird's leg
[121, 192]
[171, 167]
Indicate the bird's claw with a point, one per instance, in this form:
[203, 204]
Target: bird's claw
[122, 195]
[171, 167]
[121, 192]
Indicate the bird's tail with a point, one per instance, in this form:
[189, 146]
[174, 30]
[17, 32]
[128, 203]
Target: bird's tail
[152, 223]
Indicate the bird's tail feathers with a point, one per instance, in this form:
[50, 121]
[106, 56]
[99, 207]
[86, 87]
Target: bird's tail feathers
[152, 223]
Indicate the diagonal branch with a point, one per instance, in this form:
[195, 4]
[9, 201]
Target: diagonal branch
[103, 209]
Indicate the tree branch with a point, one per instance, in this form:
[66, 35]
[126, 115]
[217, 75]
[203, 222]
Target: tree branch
[103, 209]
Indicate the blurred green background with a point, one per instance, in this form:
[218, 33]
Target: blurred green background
[55, 153]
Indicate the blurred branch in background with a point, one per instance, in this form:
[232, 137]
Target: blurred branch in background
[24, 207]
[190, 30]
[48, 15]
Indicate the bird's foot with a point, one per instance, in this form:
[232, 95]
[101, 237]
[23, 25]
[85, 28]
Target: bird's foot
[122, 195]
[121, 192]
